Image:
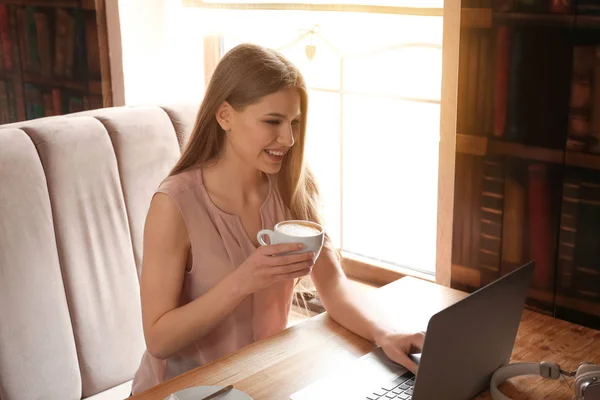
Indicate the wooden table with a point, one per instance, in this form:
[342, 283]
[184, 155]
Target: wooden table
[279, 366]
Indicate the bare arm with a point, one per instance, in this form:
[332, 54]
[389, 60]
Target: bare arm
[345, 305]
[169, 328]
[355, 312]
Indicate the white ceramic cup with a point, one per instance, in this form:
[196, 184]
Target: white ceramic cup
[312, 243]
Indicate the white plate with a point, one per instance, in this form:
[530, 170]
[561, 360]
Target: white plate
[197, 392]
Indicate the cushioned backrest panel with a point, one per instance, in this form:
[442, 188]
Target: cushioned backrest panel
[146, 149]
[94, 246]
[38, 359]
[74, 193]
[183, 117]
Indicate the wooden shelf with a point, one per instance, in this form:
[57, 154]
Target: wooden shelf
[588, 21]
[583, 160]
[471, 144]
[44, 3]
[64, 83]
[481, 145]
[476, 17]
[472, 278]
[526, 152]
[9, 74]
[93, 87]
[486, 18]
[89, 5]
[538, 19]
[580, 305]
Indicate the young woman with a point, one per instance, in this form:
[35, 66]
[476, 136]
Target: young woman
[207, 287]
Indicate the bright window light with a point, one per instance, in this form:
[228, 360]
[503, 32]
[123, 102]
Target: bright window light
[389, 3]
[373, 125]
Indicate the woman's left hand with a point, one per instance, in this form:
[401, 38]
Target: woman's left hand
[398, 345]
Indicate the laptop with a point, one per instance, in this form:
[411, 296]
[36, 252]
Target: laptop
[464, 344]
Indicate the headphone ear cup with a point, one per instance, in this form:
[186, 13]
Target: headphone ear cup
[587, 374]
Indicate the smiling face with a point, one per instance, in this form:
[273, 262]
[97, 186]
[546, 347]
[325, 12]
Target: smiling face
[262, 133]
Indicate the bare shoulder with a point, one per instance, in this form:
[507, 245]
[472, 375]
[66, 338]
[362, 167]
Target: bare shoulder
[165, 222]
[165, 228]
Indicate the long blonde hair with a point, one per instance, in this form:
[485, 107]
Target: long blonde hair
[243, 76]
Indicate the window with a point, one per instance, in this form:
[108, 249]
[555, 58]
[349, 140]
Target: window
[374, 116]
[384, 6]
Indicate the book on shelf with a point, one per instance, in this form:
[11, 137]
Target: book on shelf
[568, 233]
[552, 6]
[492, 214]
[579, 253]
[50, 61]
[595, 103]
[483, 84]
[540, 239]
[587, 7]
[586, 269]
[7, 112]
[12, 90]
[475, 102]
[42, 102]
[580, 106]
[528, 225]
[514, 222]
[473, 65]
[7, 38]
[560, 6]
[91, 42]
[466, 210]
[530, 104]
[478, 213]
[548, 53]
[462, 112]
[501, 78]
[514, 96]
[42, 31]
[488, 81]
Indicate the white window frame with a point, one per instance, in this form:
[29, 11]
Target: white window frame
[340, 7]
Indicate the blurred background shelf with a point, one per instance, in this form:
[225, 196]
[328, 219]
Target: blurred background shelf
[55, 58]
[481, 146]
[486, 18]
[85, 4]
[91, 87]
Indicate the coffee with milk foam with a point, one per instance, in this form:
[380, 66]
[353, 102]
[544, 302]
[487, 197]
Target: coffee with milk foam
[294, 229]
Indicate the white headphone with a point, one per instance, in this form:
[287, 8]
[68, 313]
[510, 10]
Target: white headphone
[587, 378]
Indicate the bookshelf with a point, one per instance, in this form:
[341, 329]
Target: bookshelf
[486, 18]
[480, 146]
[527, 181]
[476, 17]
[54, 58]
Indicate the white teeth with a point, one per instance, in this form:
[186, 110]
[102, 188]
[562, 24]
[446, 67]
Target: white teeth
[275, 153]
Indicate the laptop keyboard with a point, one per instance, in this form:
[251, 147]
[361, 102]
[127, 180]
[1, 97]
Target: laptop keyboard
[399, 388]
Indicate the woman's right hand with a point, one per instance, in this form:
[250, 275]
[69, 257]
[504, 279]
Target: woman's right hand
[266, 266]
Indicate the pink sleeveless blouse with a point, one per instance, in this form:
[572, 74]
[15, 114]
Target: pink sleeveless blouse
[219, 244]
